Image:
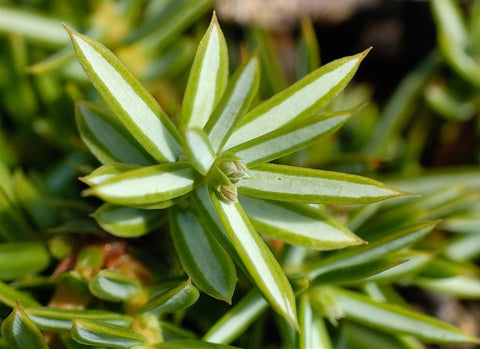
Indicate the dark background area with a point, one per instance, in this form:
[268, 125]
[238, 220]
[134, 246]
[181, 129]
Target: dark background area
[401, 33]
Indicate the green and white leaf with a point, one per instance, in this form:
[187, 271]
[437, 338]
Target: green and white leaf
[106, 172]
[107, 138]
[56, 319]
[397, 319]
[180, 297]
[297, 224]
[202, 257]
[127, 222]
[415, 262]
[209, 217]
[207, 80]
[231, 325]
[290, 138]
[19, 259]
[112, 286]
[374, 250]
[288, 183]
[132, 104]
[262, 266]
[313, 333]
[20, 332]
[199, 150]
[303, 98]
[146, 185]
[354, 274]
[238, 95]
[461, 286]
[91, 332]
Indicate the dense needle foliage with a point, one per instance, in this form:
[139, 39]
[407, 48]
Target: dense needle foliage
[219, 206]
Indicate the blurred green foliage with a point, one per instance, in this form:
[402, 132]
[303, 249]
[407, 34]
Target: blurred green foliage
[72, 277]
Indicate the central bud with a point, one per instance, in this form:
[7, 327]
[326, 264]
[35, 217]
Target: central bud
[224, 175]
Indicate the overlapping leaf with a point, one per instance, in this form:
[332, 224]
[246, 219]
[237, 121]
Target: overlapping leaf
[106, 137]
[127, 222]
[398, 320]
[287, 183]
[202, 257]
[91, 332]
[147, 185]
[180, 297]
[20, 332]
[297, 224]
[239, 93]
[207, 79]
[290, 138]
[372, 251]
[56, 319]
[130, 101]
[301, 99]
[237, 319]
[257, 258]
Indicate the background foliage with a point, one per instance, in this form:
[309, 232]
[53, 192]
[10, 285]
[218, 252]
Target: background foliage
[99, 281]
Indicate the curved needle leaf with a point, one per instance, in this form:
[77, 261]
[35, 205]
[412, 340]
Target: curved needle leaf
[209, 217]
[106, 137]
[297, 224]
[207, 80]
[237, 319]
[290, 138]
[130, 101]
[146, 185]
[55, 319]
[92, 332]
[127, 222]
[313, 333]
[357, 273]
[179, 297]
[397, 319]
[303, 98]
[112, 286]
[262, 266]
[374, 250]
[287, 183]
[198, 150]
[240, 91]
[105, 172]
[202, 257]
[20, 332]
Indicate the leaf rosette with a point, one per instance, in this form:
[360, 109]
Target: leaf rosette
[212, 171]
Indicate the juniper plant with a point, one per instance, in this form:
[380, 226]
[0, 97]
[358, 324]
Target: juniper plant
[212, 171]
[209, 176]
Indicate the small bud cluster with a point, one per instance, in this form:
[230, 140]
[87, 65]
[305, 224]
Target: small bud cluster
[230, 172]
